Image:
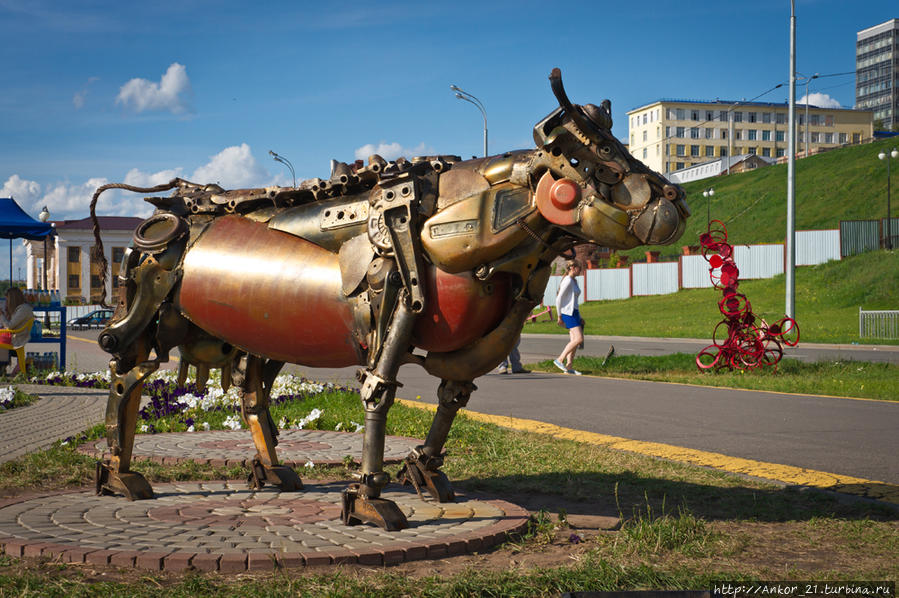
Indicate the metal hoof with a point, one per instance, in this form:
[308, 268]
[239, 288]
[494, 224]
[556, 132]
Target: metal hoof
[432, 480]
[131, 484]
[359, 509]
[285, 478]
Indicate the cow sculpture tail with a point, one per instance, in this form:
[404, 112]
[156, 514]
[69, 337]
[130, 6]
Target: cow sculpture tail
[98, 247]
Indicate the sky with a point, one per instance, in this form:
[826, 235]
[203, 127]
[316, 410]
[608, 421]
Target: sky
[94, 92]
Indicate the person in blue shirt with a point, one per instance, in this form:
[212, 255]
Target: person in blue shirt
[569, 317]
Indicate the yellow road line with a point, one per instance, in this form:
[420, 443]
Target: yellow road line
[786, 474]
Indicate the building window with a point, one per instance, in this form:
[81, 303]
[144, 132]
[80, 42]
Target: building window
[828, 137]
[801, 118]
[751, 151]
[778, 135]
[781, 118]
[679, 132]
[738, 134]
[723, 133]
[856, 137]
[74, 255]
[710, 151]
[74, 282]
[752, 134]
[766, 117]
[681, 150]
[750, 117]
[722, 116]
[694, 151]
[766, 152]
[644, 119]
[644, 153]
[644, 136]
[118, 254]
[694, 115]
[766, 135]
[843, 138]
[95, 281]
[679, 166]
[780, 152]
[738, 117]
[694, 132]
[815, 137]
[709, 115]
[709, 133]
[814, 119]
[828, 120]
[722, 151]
[681, 115]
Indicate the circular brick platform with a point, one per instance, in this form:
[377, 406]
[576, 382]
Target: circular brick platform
[235, 447]
[223, 526]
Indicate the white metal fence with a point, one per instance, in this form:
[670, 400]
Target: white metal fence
[878, 323]
[692, 271]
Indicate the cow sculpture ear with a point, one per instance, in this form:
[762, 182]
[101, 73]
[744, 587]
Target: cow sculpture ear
[590, 119]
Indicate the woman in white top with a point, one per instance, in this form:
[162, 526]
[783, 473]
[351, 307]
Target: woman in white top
[569, 317]
[16, 314]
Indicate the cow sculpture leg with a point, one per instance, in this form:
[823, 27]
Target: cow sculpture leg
[361, 501]
[421, 468]
[256, 387]
[114, 475]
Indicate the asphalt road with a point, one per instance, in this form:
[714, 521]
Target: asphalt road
[842, 436]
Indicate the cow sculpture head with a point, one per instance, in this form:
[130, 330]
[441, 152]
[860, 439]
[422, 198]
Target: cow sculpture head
[605, 195]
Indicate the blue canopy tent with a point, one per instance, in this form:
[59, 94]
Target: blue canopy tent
[16, 224]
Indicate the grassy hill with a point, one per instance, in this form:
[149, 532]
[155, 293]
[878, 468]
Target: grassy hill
[844, 184]
[828, 297]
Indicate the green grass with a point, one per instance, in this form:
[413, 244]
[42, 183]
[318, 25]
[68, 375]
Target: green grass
[859, 379]
[655, 547]
[15, 399]
[843, 184]
[828, 297]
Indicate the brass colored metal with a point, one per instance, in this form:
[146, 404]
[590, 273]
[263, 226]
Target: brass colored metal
[432, 261]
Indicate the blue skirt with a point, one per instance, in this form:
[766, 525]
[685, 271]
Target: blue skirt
[572, 320]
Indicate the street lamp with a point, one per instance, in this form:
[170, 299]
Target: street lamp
[286, 162]
[44, 216]
[464, 95]
[708, 206]
[807, 81]
[885, 156]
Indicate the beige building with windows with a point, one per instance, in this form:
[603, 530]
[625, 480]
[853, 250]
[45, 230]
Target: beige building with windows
[77, 275]
[670, 135]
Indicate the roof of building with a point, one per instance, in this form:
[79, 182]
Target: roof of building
[877, 29]
[106, 223]
[733, 104]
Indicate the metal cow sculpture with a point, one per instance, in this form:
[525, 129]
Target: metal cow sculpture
[433, 261]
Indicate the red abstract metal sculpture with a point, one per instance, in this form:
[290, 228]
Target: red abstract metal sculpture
[749, 343]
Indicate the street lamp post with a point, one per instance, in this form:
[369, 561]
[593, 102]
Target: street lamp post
[887, 157]
[464, 95]
[807, 81]
[708, 193]
[285, 162]
[44, 216]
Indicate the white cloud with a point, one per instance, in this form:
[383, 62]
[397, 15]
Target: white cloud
[142, 179]
[234, 167]
[170, 94]
[81, 95]
[821, 100]
[22, 190]
[392, 151]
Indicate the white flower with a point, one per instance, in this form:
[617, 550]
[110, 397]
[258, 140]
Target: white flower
[283, 423]
[190, 428]
[309, 464]
[359, 427]
[232, 422]
[313, 415]
[338, 426]
[206, 425]
[144, 428]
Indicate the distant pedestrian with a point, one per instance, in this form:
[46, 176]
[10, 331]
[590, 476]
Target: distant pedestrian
[569, 317]
[512, 363]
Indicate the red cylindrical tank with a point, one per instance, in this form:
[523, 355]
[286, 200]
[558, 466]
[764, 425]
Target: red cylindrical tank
[269, 293]
[459, 310]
